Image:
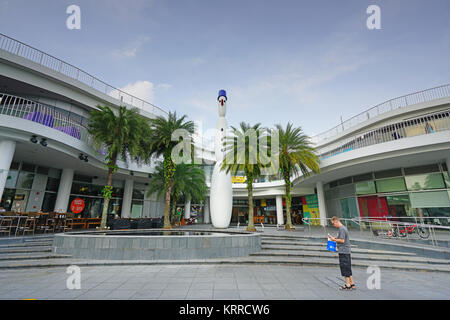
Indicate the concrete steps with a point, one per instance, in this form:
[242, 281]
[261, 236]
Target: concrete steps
[33, 256]
[27, 245]
[25, 250]
[324, 262]
[355, 256]
[323, 248]
[37, 253]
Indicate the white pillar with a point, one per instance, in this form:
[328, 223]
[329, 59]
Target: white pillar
[321, 200]
[7, 149]
[206, 211]
[65, 186]
[187, 209]
[279, 203]
[127, 198]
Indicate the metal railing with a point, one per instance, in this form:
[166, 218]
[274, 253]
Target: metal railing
[386, 227]
[422, 125]
[396, 103]
[64, 121]
[45, 60]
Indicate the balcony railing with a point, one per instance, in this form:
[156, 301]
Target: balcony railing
[431, 123]
[396, 103]
[64, 121]
[45, 60]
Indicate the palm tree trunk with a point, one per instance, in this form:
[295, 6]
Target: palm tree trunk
[287, 182]
[251, 224]
[173, 217]
[167, 224]
[106, 203]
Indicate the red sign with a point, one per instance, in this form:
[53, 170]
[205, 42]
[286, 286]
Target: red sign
[77, 205]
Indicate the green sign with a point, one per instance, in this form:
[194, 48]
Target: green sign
[311, 201]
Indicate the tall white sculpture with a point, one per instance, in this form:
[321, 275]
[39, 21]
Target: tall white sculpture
[221, 196]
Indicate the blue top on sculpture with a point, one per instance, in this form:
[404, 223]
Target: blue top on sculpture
[222, 93]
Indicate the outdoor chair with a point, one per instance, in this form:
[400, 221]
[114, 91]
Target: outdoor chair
[60, 222]
[6, 225]
[49, 223]
[28, 224]
[11, 219]
[68, 222]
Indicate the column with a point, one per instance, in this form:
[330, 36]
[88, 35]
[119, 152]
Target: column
[321, 200]
[65, 186]
[7, 149]
[279, 203]
[127, 198]
[187, 209]
[206, 218]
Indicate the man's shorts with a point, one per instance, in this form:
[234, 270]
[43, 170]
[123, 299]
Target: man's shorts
[345, 262]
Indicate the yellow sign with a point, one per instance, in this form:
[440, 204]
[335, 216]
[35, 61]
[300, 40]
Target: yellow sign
[238, 179]
[263, 203]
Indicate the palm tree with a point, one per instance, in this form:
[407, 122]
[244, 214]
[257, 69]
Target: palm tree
[296, 154]
[188, 181]
[161, 131]
[122, 136]
[247, 157]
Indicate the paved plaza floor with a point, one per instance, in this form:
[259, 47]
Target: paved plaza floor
[219, 282]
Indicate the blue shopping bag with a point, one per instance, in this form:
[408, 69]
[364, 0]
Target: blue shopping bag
[331, 246]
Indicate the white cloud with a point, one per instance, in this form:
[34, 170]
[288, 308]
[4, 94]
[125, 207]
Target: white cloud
[143, 90]
[131, 50]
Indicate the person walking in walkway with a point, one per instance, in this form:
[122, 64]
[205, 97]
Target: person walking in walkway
[344, 249]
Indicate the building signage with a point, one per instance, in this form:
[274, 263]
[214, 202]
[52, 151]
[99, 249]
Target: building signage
[77, 205]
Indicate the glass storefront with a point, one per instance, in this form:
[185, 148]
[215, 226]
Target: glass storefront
[401, 195]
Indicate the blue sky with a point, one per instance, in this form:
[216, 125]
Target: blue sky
[307, 62]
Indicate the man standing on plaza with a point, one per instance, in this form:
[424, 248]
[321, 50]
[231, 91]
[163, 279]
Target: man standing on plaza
[344, 249]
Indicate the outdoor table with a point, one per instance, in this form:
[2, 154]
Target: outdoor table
[93, 221]
[79, 222]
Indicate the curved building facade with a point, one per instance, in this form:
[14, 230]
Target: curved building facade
[390, 160]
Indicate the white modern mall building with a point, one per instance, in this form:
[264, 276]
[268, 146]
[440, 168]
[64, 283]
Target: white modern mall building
[390, 160]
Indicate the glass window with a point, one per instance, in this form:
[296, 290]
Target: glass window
[425, 181]
[42, 170]
[433, 199]
[28, 167]
[48, 205]
[363, 177]
[52, 184]
[391, 185]
[136, 209]
[365, 187]
[349, 211]
[388, 173]
[138, 194]
[447, 179]
[422, 169]
[11, 179]
[14, 166]
[442, 213]
[25, 180]
[400, 206]
[344, 181]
